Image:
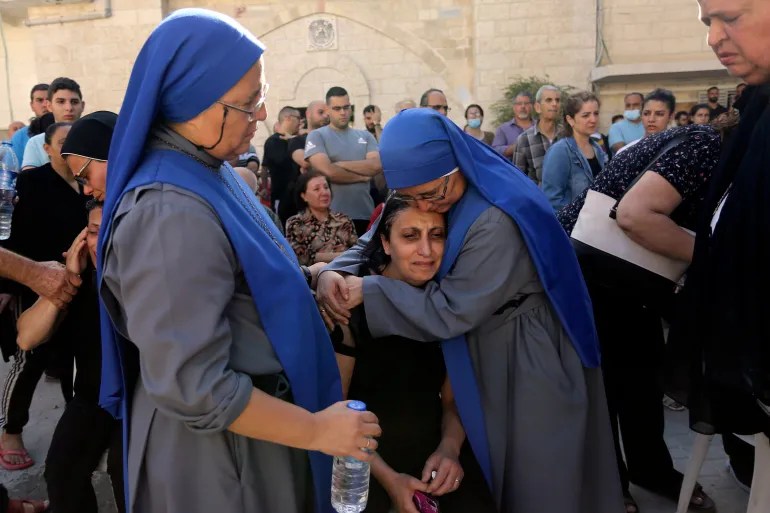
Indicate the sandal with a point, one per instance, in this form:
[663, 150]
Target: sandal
[700, 501]
[7, 465]
[27, 506]
[630, 503]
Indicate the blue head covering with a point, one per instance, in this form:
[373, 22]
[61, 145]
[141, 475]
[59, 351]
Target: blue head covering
[418, 146]
[189, 61]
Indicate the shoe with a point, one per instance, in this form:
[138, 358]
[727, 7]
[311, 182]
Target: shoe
[671, 404]
[27, 506]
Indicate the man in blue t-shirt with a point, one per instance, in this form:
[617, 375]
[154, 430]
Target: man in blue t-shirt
[630, 129]
[37, 101]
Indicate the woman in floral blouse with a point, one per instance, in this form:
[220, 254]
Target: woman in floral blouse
[317, 234]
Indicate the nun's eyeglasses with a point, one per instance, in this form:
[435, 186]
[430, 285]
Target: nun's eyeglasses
[250, 113]
[82, 180]
[433, 195]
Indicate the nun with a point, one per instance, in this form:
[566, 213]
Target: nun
[512, 310]
[229, 403]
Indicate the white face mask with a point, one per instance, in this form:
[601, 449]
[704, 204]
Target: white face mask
[632, 115]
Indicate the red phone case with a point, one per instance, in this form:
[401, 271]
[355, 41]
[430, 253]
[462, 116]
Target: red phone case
[425, 503]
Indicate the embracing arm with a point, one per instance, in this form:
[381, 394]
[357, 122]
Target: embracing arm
[644, 215]
[481, 281]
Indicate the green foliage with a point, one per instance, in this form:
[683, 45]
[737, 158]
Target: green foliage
[503, 108]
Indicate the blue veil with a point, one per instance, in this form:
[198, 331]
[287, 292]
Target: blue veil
[189, 61]
[420, 145]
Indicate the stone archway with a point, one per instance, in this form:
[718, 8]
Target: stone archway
[286, 15]
[324, 70]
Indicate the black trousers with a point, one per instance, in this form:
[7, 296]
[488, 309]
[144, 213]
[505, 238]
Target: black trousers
[633, 347]
[20, 384]
[82, 435]
[3, 499]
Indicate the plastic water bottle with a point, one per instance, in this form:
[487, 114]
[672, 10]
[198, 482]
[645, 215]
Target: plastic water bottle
[350, 479]
[9, 170]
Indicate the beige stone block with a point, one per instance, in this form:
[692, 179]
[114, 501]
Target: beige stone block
[491, 77]
[427, 14]
[149, 16]
[491, 11]
[137, 4]
[392, 86]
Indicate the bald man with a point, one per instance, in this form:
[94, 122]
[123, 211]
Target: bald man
[317, 115]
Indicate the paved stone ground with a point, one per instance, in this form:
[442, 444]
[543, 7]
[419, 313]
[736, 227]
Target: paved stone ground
[47, 407]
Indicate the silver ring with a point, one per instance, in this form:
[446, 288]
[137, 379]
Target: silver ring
[368, 443]
[323, 310]
[457, 481]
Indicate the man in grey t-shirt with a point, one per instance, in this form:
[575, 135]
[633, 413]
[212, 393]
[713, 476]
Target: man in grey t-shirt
[348, 157]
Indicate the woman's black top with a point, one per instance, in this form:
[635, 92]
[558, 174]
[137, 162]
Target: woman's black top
[723, 331]
[47, 218]
[596, 168]
[400, 381]
[84, 332]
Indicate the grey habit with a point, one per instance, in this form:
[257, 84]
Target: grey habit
[174, 287]
[546, 415]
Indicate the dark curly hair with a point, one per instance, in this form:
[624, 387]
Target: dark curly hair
[373, 255]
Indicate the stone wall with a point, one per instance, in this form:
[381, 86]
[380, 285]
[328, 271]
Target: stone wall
[522, 38]
[646, 31]
[383, 52]
[98, 53]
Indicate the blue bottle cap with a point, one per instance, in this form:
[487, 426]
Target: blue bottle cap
[357, 405]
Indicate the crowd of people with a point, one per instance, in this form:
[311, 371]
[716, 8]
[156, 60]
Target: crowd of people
[515, 308]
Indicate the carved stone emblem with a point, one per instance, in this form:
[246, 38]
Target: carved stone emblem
[322, 34]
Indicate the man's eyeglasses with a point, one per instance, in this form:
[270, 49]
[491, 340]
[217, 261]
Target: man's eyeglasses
[250, 113]
[445, 108]
[82, 180]
[340, 108]
[433, 195]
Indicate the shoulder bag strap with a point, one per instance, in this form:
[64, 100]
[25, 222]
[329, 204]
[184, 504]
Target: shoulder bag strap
[673, 143]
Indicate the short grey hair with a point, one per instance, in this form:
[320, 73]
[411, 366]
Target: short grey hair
[404, 104]
[543, 89]
[525, 94]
